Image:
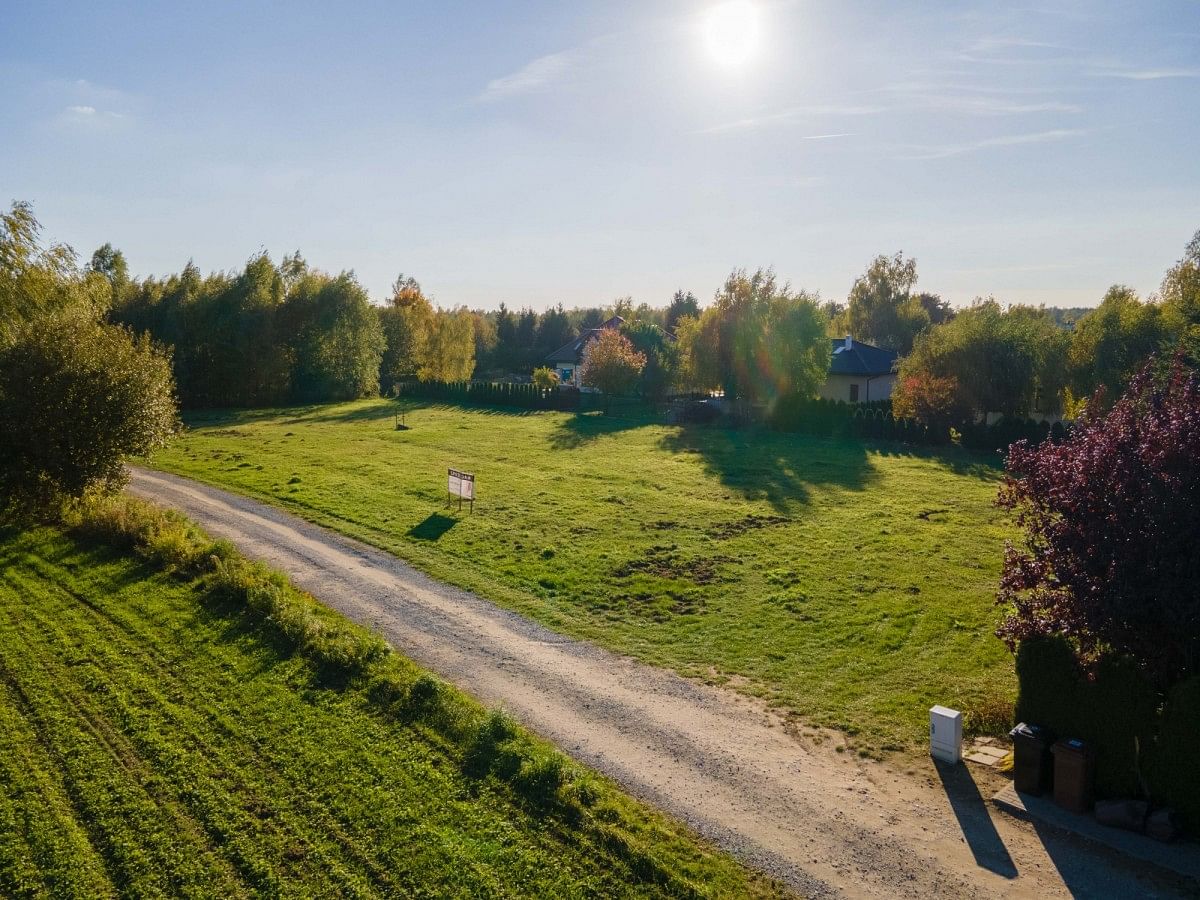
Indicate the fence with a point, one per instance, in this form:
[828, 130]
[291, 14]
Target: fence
[498, 393]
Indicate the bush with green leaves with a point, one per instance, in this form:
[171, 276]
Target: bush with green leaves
[77, 398]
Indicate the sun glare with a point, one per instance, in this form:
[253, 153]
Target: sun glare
[731, 32]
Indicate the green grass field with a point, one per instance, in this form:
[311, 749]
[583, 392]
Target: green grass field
[153, 744]
[851, 584]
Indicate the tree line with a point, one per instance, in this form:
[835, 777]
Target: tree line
[286, 332]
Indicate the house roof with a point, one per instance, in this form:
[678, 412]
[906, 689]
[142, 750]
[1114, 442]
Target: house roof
[860, 359]
[573, 352]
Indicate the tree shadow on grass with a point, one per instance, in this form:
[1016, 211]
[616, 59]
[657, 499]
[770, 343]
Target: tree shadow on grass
[583, 428]
[956, 459]
[767, 465]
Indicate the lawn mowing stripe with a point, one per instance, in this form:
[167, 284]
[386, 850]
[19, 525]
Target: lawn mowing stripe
[144, 725]
[470, 876]
[43, 850]
[102, 770]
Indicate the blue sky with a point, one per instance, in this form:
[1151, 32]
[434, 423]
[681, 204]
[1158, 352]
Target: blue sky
[542, 152]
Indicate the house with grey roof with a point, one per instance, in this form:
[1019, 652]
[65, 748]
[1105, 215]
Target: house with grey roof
[567, 359]
[859, 373]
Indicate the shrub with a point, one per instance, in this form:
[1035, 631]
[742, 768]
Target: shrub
[1111, 517]
[77, 398]
[540, 779]
[1172, 770]
[545, 378]
[1048, 682]
[1115, 710]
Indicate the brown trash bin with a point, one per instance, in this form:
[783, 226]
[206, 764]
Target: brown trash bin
[1074, 770]
[1032, 763]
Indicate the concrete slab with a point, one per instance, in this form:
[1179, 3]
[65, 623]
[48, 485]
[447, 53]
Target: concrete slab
[1181, 857]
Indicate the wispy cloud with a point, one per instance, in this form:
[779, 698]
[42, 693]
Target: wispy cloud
[793, 114]
[978, 103]
[1146, 74]
[86, 103]
[535, 75]
[1008, 140]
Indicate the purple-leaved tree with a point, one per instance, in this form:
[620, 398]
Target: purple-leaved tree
[1111, 552]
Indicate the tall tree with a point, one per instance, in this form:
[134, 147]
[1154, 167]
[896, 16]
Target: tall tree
[36, 279]
[407, 324]
[1006, 361]
[553, 331]
[1181, 300]
[682, 304]
[336, 338]
[450, 354]
[110, 262]
[1110, 344]
[881, 309]
[652, 342]
[770, 341]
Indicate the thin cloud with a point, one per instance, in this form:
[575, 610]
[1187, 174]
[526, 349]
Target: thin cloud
[790, 115]
[82, 110]
[981, 104]
[1008, 140]
[536, 75]
[1146, 74]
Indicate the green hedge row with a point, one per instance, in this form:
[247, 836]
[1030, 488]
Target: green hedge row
[874, 421]
[1140, 737]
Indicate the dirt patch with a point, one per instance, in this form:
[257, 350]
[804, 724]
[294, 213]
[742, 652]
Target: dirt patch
[657, 607]
[926, 513]
[666, 562]
[229, 432]
[727, 530]
[661, 525]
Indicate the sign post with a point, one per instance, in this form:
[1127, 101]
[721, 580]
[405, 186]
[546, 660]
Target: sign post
[461, 485]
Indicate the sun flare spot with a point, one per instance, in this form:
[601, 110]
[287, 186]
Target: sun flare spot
[732, 32]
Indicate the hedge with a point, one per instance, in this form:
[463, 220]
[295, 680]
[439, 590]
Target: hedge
[874, 421]
[1140, 742]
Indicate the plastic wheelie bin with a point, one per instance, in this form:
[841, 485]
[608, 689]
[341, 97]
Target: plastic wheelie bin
[1074, 769]
[1033, 764]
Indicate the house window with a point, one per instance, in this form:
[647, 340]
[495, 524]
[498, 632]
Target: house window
[565, 375]
[854, 393]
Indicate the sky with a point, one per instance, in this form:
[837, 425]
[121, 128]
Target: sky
[543, 152]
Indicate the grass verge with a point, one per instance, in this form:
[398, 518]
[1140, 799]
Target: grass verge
[178, 721]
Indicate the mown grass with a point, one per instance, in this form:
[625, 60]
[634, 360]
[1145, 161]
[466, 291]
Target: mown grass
[852, 584]
[162, 733]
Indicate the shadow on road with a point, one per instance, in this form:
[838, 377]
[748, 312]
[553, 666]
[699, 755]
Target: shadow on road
[975, 820]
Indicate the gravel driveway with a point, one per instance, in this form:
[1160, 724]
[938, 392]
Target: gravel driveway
[825, 824]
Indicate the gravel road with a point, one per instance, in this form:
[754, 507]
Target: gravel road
[781, 801]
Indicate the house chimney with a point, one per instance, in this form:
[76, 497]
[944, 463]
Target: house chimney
[849, 342]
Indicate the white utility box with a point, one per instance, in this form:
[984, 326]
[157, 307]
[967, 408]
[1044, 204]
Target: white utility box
[945, 734]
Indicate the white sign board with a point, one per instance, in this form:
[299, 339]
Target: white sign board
[461, 485]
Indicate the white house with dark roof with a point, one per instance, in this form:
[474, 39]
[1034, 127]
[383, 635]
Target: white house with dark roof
[567, 359]
[859, 373]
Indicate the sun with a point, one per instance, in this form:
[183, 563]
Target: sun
[732, 32]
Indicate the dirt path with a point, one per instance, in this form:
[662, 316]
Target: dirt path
[826, 825]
